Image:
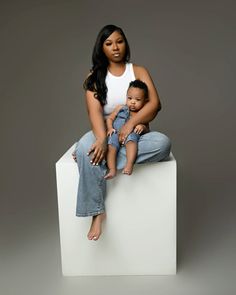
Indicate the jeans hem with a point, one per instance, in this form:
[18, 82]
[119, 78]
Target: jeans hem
[94, 213]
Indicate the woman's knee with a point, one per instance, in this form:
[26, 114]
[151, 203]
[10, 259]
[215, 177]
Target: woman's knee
[165, 146]
[163, 143]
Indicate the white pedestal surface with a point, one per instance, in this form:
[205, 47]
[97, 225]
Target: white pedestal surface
[139, 232]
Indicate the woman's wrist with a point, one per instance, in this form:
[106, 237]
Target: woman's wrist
[100, 135]
[102, 139]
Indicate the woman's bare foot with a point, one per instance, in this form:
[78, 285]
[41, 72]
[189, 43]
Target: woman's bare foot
[128, 169]
[96, 227]
[74, 156]
[110, 174]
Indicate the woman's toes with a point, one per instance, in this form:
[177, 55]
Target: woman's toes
[90, 236]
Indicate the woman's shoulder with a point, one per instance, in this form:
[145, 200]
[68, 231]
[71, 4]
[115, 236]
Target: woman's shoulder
[140, 71]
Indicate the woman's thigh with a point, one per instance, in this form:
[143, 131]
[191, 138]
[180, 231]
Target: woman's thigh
[153, 146]
[85, 142]
[83, 146]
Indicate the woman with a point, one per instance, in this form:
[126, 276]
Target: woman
[106, 87]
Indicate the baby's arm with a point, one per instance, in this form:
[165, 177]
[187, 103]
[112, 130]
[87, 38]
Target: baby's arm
[110, 119]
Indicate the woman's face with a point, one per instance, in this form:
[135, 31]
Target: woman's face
[114, 47]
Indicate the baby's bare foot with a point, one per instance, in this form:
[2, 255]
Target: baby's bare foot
[96, 227]
[128, 169]
[110, 174]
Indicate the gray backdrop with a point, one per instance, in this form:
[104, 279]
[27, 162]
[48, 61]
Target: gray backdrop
[189, 49]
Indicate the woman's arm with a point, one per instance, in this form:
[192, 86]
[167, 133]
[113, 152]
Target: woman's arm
[150, 109]
[153, 106]
[95, 112]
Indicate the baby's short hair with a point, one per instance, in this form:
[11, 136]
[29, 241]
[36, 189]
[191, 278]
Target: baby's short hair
[140, 84]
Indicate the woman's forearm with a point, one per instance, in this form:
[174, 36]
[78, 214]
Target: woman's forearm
[98, 126]
[145, 115]
[153, 106]
[95, 112]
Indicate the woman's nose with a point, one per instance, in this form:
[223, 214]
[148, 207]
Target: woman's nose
[115, 46]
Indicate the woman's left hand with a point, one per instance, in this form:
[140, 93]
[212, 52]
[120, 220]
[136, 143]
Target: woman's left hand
[125, 130]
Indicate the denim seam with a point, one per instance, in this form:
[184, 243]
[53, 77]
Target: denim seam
[93, 213]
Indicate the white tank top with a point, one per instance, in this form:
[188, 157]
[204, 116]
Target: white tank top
[117, 88]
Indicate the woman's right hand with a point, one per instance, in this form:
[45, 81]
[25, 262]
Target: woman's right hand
[99, 149]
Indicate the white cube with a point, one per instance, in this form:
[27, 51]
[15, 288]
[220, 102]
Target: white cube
[139, 232]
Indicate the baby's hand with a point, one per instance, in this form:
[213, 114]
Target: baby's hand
[139, 128]
[110, 131]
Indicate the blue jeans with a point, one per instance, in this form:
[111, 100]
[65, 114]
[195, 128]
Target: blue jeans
[152, 147]
[121, 118]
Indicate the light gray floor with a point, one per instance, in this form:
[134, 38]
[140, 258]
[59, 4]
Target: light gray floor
[189, 48]
[30, 252]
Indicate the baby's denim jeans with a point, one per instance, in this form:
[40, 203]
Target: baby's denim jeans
[121, 118]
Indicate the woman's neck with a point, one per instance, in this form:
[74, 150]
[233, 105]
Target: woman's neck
[116, 69]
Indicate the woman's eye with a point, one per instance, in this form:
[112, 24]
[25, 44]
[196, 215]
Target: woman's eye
[120, 41]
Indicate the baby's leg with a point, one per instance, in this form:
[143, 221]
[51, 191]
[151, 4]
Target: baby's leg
[111, 162]
[131, 154]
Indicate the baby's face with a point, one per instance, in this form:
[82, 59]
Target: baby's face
[135, 99]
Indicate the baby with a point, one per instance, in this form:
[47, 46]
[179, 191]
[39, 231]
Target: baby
[137, 96]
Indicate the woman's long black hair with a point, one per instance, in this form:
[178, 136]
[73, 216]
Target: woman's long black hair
[96, 80]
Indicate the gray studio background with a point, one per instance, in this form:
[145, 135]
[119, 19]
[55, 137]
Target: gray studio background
[45, 53]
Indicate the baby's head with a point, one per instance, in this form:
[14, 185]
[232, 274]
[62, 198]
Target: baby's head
[137, 95]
